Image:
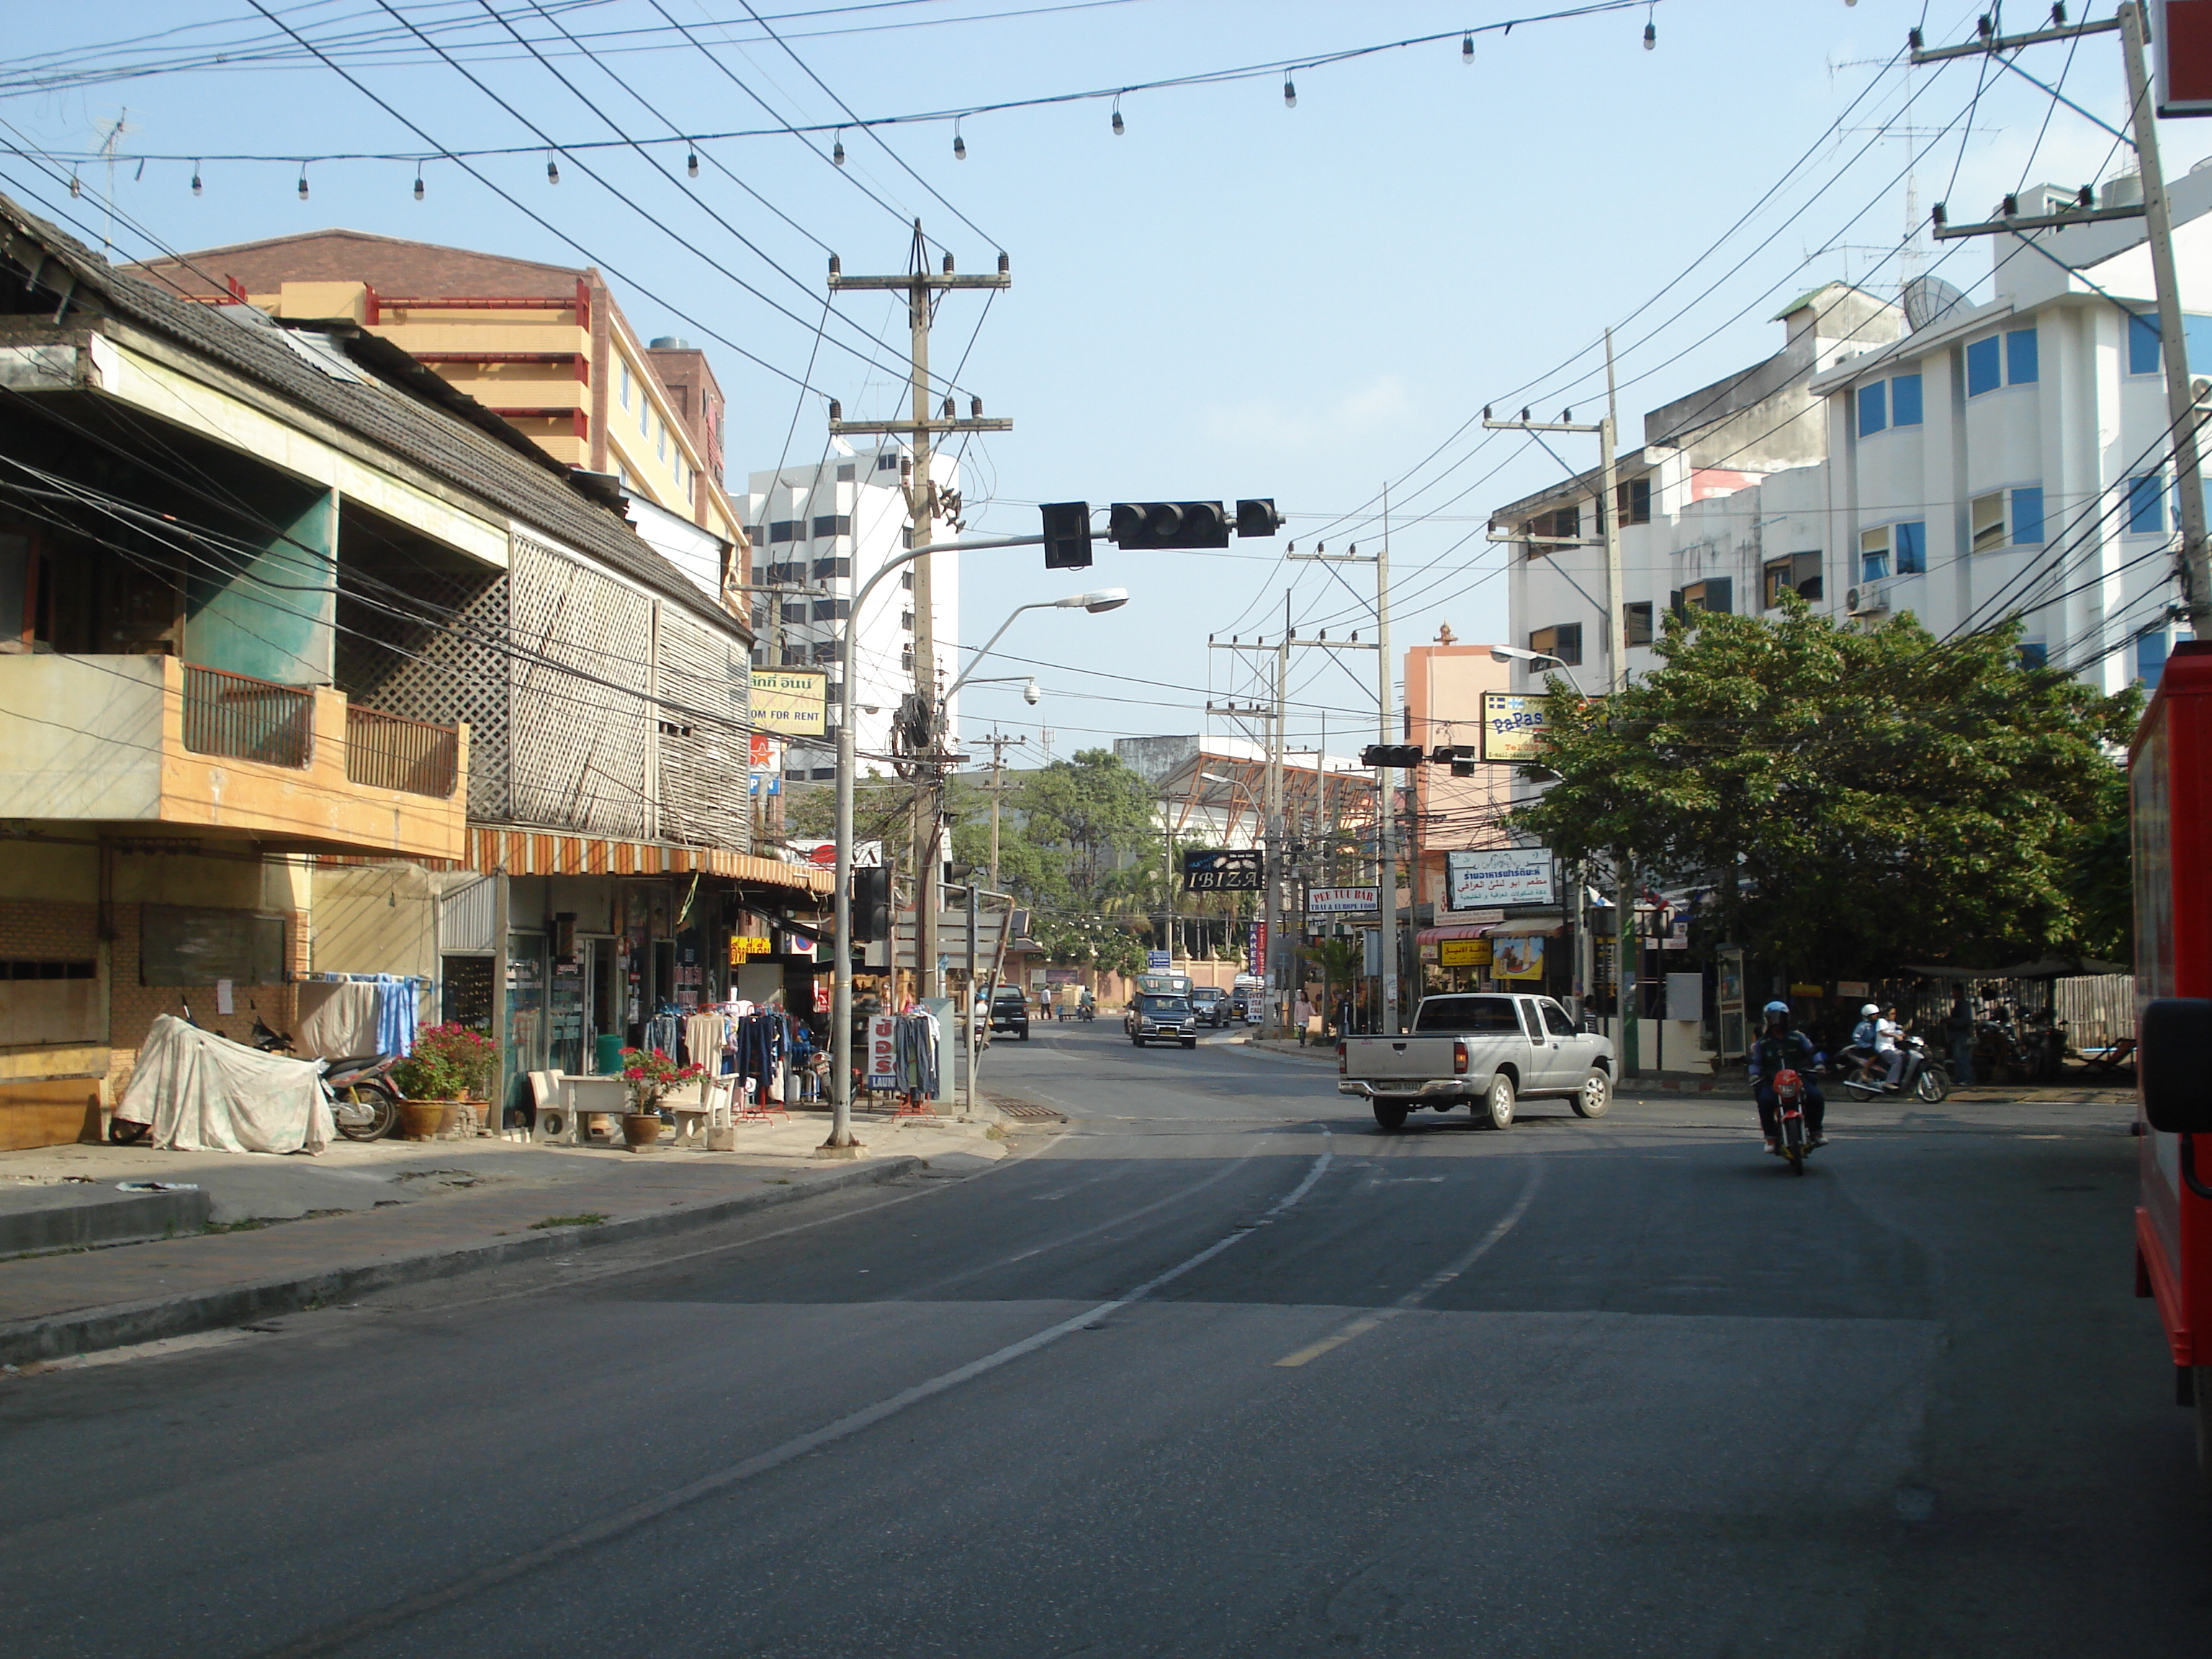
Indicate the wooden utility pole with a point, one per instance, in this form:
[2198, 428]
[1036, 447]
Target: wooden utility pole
[925, 505]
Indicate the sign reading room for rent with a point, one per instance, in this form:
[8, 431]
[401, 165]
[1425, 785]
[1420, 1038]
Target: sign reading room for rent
[790, 701]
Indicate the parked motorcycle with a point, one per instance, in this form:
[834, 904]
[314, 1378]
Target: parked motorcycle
[364, 1100]
[1793, 1136]
[1924, 1078]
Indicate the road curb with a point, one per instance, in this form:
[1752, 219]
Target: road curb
[86, 1330]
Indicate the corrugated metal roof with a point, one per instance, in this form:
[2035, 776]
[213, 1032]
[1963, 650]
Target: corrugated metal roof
[391, 411]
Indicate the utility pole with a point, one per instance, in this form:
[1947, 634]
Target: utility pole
[2182, 409]
[1625, 941]
[1386, 813]
[998, 742]
[925, 503]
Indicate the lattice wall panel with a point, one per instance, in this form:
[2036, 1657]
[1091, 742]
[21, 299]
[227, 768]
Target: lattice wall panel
[580, 748]
[705, 690]
[454, 673]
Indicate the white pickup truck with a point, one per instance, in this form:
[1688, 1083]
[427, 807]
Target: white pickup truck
[1483, 1049]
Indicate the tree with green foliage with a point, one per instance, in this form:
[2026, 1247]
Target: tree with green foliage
[1091, 820]
[1855, 798]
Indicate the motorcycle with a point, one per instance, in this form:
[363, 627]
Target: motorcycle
[1793, 1137]
[1924, 1078]
[364, 1100]
[1085, 1013]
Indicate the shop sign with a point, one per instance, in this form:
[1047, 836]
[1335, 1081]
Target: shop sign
[1462, 953]
[1223, 870]
[790, 701]
[743, 945]
[1340, 901]
[866, 854]
[762, 753]
[1498, 876]
[1519, 956]
[883, 1051]
[1511, 723]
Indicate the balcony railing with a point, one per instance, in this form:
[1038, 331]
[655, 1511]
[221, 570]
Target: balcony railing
[389, 752]
[240, 717]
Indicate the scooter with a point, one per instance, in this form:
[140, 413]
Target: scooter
[1085, 1013]
[1793, 1136]
[364, 1100]
[1924, 1078]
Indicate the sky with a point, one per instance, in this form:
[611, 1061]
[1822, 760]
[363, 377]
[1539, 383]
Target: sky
[1233, 297]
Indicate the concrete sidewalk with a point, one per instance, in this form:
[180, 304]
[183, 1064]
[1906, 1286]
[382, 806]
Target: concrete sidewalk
[391, 1212]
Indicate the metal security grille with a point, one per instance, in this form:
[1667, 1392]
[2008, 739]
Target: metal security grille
[240, 717]
[580, 729]
[705, 687]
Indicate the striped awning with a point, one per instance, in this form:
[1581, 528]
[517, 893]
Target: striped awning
[539, 852]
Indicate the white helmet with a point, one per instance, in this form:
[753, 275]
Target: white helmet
[1870, 1008]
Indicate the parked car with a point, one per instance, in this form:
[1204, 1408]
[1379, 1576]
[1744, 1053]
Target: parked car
[1211, 1005]
[1010, 1011]
[1485, 1050]
[1157, 1018]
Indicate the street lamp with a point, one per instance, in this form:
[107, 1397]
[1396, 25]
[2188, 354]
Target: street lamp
[841, 1143]
[1104, 599]
[1509, 653]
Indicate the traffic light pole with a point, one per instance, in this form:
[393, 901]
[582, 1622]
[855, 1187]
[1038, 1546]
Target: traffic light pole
[841, 1143]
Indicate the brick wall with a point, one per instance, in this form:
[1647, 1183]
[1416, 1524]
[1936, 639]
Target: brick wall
[132, 1006]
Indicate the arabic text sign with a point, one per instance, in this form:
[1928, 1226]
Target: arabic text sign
[1498, 876]
[790, 700]
[1511, 722]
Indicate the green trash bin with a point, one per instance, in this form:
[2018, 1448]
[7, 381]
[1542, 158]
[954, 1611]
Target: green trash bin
[606, 1058]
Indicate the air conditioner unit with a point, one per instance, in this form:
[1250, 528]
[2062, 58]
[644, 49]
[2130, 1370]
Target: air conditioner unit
[1871, 600]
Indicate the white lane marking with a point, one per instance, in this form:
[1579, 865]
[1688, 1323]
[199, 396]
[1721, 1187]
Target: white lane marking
[1435, 1282]
[853, 1423]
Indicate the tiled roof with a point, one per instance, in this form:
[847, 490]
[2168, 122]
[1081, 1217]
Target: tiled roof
[391, 264]
[451, 438]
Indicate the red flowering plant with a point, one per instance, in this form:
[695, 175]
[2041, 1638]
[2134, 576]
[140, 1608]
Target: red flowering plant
[447, 1062]
[650, 1074]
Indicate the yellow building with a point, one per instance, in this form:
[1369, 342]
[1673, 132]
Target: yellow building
[544, 347]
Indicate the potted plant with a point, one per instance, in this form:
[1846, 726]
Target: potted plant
[650, 1074]
[446, 1072]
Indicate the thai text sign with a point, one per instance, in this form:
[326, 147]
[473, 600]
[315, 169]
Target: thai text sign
[790, 700]
[1223, 870]
[1511, 723]
[1340, 901]
[1498, 876]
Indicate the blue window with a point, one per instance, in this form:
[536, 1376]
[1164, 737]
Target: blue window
[1873, 554]
[2142, 343]
[1911, 549]
[2033, 654]
[1874, 408]
[2147, 505]
[2150, 656]
[2020, 356]
[2028, 515]
[1983, 367]
[1905, 400]
[2143, 334]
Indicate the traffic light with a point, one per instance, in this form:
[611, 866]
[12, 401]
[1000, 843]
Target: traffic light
[1066, 535]
[871, 904]
[1168, 524]
[1406, 755]
[1257, 519]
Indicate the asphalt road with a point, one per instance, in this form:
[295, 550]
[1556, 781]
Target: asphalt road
[1211, 1368]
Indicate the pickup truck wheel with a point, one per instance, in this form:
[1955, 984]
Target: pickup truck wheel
[1594, 1096]
[1391, 1114]
[1496, 1109]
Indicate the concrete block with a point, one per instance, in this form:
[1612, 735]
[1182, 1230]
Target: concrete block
[70, 1216]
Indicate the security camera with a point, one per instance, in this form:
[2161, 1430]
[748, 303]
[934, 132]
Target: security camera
[1030, 693]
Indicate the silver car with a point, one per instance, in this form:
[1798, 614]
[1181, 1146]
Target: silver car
[1164, 1019]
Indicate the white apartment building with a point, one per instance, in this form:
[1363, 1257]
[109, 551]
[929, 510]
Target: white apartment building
[1965, 463]
[818, 534]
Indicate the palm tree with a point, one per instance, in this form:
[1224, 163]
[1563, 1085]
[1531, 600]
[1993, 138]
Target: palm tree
[1339, 961]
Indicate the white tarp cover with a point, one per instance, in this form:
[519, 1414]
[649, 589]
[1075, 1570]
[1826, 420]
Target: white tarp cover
[203, 1093]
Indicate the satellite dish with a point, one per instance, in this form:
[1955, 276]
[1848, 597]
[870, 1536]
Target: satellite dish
[1928, 300]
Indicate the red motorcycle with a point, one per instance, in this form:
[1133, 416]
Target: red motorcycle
[1793, 1139]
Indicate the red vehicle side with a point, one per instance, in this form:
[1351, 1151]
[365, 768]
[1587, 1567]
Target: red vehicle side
[2170, 813]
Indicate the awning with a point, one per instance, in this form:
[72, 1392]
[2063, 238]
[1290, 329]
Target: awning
[1526, 928]
[2045, 967]
[533, 853]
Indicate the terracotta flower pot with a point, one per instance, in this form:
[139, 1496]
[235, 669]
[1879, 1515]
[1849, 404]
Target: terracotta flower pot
[428, 1120]
[642, 1130]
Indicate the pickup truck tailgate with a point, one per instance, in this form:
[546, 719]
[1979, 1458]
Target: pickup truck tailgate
[1398, 1060]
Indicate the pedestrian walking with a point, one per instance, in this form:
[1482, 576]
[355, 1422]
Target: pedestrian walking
[1303, 1013]
[1958, 1027]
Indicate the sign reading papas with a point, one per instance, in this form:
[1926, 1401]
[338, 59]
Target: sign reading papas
[1511, 722]
[790, 701]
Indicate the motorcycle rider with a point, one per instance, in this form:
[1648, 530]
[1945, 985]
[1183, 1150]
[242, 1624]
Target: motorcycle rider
[1782, 1047]
[1861, 1051]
